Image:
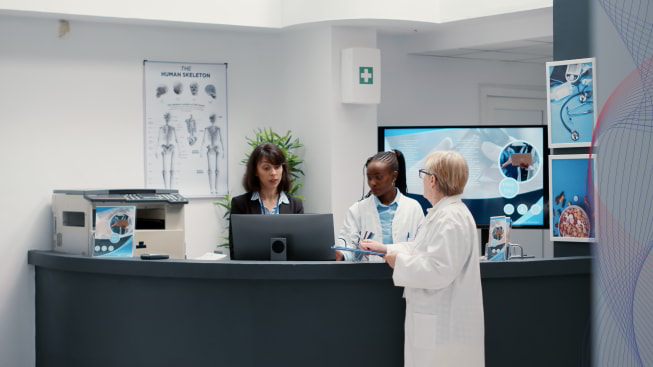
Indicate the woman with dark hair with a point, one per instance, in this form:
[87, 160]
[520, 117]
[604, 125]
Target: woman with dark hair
[267, 181]
[386, 213]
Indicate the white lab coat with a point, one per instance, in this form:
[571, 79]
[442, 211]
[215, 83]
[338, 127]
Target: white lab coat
[440, 271]
[362, 216]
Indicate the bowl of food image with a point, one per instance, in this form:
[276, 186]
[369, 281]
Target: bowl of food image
[574, 222]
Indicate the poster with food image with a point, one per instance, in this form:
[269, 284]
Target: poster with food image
[572, 191]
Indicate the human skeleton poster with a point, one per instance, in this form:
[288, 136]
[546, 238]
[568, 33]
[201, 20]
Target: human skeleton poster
[186, 127]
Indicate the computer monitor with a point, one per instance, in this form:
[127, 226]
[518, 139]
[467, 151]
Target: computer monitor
[508, 172]
[308, 237]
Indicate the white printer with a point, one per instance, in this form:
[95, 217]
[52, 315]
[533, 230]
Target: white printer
[158, 226]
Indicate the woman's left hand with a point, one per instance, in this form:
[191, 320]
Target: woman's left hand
[371, 245]
[391, 258]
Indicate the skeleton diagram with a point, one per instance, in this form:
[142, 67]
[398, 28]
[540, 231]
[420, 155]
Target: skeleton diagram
[192, 129]
[212, 140]
[167, 140]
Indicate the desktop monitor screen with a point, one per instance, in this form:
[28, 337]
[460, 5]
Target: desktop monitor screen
[309, 237]
[507, 167]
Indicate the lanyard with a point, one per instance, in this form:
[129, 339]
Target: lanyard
[264, 210]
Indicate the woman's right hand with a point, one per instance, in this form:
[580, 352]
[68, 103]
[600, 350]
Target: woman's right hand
[508, 163]
[371, 245]
[339, 255]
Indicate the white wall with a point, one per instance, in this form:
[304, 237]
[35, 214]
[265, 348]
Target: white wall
[338, 137]
[426, 90]
[70, 106]
[307, 95]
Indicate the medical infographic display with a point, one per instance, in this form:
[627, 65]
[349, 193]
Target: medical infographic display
[186, 127]
[571, 106]
[506, 173]
[572, 210]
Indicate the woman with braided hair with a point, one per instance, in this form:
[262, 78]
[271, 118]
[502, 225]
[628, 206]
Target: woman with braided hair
[385, 213]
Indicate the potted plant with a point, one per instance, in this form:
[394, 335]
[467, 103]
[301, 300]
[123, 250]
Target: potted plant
[289, 147]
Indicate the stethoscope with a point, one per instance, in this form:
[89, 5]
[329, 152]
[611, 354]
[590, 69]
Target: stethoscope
[584, 97]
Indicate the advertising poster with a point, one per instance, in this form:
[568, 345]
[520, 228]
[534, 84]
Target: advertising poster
[572, 209]
[186, 127]
[497, 246]
[571, 106]
[114, 231]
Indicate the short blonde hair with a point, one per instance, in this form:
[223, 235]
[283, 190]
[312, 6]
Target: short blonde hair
[451, 171]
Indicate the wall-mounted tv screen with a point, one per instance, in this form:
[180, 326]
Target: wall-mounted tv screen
[507, 167]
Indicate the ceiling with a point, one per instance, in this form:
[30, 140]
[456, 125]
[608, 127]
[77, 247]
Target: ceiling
[524, 37]
[536, 50]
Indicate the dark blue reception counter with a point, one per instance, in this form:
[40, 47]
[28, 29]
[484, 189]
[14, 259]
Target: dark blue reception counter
[129, 312]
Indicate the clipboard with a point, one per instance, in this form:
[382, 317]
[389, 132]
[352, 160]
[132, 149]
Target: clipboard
[357, 250]
[522, 159]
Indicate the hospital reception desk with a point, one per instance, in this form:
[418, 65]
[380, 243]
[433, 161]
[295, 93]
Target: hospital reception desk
[129, 312]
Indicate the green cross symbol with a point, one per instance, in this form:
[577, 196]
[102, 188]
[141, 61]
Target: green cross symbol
[366, 75]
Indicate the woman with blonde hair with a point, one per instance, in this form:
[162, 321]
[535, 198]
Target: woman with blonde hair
[441, 273]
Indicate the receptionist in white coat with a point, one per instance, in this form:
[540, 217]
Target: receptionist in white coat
[441, 273]
[386, 213]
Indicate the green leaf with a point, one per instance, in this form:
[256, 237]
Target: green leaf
[288, 146]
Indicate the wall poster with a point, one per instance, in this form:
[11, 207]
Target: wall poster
[571, 88]
[186, 127]
[572, 192]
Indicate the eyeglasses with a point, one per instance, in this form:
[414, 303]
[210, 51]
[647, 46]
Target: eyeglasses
[423, 173]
